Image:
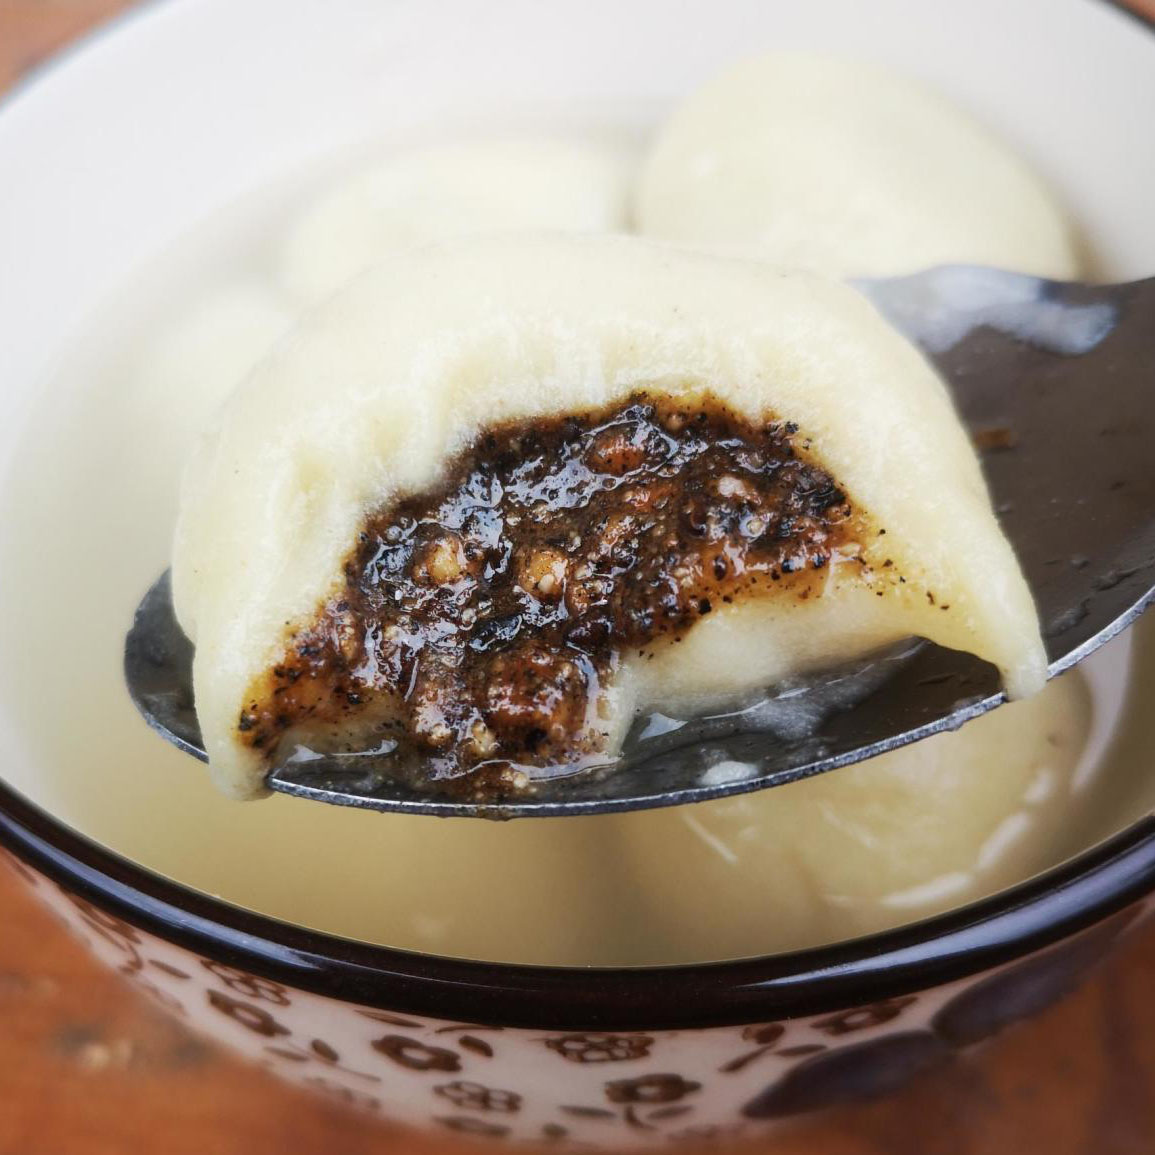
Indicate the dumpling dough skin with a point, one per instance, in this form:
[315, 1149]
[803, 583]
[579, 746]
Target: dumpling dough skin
[884, 842]
[453, 190]
[847, 169]
[368, 398]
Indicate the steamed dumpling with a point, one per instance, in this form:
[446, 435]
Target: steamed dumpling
[845, 168]
[452, 190]
[900, 837]
[367, 402]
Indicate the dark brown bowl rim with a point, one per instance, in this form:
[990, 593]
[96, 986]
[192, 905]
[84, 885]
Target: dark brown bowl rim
[1043, 910]
[963, 942]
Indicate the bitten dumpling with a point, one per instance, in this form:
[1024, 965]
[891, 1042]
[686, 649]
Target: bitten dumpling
[501, 494]
[846, 168]
[459, 189]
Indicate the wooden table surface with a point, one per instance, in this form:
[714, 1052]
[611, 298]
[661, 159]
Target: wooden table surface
[87, 1068]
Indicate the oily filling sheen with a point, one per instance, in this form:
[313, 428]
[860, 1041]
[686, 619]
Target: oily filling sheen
[480, 621]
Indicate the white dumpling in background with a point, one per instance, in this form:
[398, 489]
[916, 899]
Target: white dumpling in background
[451, 190]
[375, 392]
[849, 169]
[877, 844]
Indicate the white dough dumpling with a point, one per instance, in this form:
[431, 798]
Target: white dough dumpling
[458, 506]
[848, 169]
[452, 190]
[901, 837]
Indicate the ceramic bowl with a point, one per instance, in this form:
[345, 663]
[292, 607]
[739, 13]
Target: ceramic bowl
[181, 108]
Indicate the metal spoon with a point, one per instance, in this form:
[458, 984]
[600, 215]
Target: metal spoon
[1056, 383]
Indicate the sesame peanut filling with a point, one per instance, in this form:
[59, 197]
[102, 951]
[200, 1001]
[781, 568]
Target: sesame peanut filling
[480, 622]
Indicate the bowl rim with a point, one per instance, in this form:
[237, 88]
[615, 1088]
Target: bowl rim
[962, 942]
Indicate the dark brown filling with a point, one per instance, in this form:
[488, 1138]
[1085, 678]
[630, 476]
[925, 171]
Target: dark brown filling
[479, 620]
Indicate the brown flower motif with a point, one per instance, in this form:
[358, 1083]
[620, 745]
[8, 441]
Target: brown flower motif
[132, 966]
[475, 1097]
[115, 930]
[650, 1089]
[765, 1035]
[256, 1019]
[391, 1019]
[415, 1055]
[317, 1051]
[846, 1022]
[467, 1126]
[600, 1048]
[248, 985]
[170, 970]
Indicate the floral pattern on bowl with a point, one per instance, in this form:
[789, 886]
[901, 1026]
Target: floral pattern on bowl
[601, 1088]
